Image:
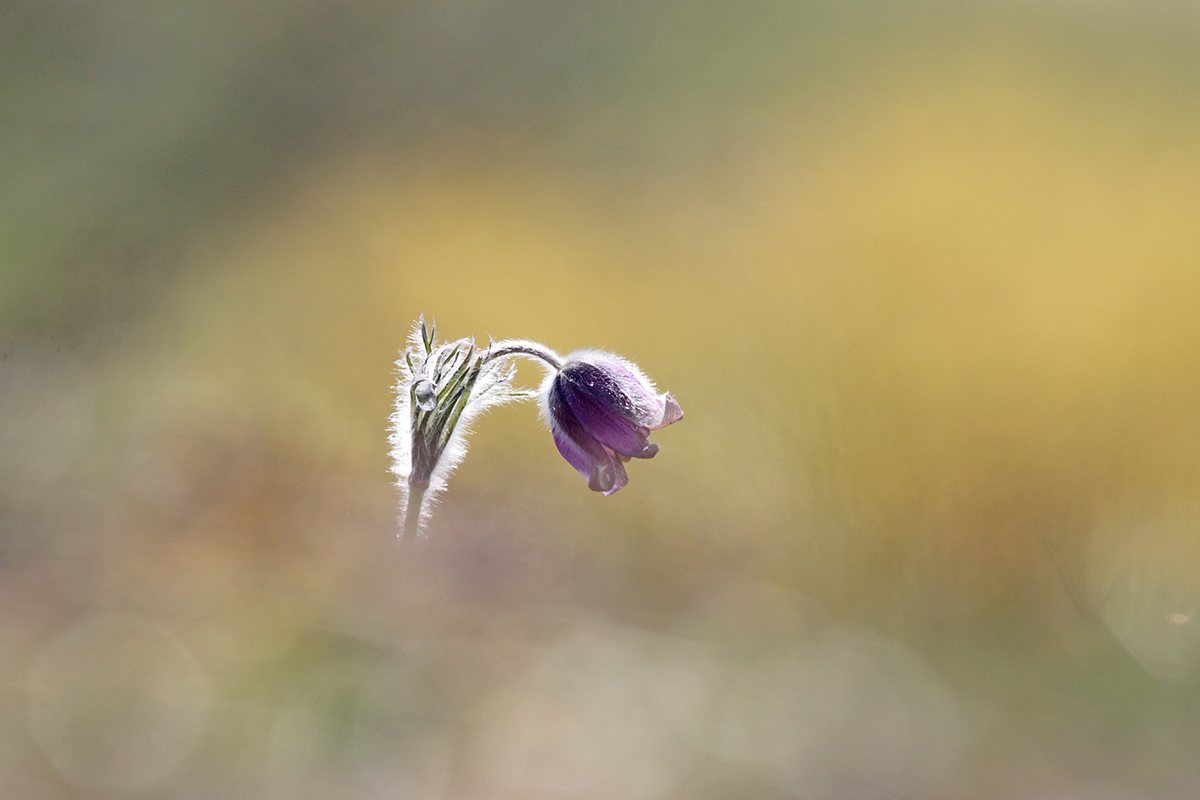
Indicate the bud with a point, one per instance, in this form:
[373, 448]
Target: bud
[442, 388]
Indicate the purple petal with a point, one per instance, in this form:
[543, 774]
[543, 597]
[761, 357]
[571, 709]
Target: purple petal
[581, 450]
[611, 430]
[621, 388]
[671, 413]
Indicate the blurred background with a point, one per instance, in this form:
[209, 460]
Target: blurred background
[923, 276]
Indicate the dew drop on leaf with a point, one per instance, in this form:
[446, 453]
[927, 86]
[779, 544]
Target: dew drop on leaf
[426, 396]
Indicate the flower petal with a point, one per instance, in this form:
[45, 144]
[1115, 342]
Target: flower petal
[604, 472]
[617, 385]
[671, 413]
[610, 429]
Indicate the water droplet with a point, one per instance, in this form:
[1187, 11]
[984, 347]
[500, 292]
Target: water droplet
[426, 396]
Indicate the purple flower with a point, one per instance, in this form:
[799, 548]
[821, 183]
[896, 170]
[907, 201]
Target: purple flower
[601, 409]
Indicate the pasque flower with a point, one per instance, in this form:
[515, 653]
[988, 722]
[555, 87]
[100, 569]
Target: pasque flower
[599, 406]
[601, 409]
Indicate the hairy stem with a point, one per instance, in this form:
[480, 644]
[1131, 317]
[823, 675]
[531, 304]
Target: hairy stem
[412, 512]
[523, 347]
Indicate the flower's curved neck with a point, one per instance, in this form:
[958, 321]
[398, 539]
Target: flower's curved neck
[523, 347]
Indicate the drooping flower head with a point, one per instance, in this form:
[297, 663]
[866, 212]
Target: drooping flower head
[601, 409]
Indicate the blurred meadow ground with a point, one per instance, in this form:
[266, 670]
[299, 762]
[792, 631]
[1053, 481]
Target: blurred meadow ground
[924, 277]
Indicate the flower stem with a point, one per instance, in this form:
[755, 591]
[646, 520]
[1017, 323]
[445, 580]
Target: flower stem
[412, 512]
[523, 347]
